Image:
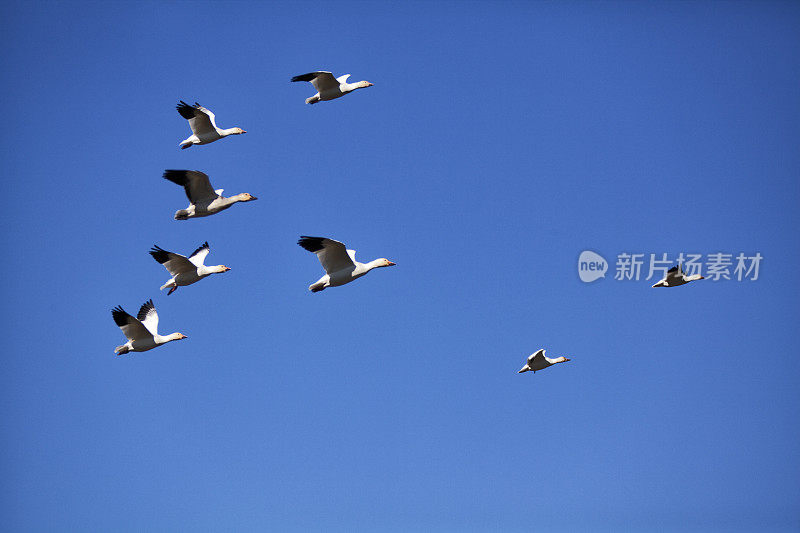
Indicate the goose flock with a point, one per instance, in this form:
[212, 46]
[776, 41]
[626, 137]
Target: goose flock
[339, 263]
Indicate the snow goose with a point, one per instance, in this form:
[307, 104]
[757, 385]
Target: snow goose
[142, 331]
[675, 277]
[329, 87]
[537, 361]
[204, 128]
[339, 263]
[204, 199]
[185, 271]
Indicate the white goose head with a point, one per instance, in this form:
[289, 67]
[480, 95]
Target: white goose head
[383, 262]
[245, 197]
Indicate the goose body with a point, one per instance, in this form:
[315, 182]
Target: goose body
[142, 331]
[538, 361]
[185, 271]
[203, 125]
[205, 201]
[328, 87]
[675, 277]
[339, 263]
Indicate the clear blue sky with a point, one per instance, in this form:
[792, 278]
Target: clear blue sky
[499, 141]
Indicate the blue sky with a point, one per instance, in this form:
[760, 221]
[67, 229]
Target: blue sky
[498, 142]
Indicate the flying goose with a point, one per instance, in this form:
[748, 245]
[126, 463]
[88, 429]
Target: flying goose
[142, 331]
[675, 277]
[185, 271]
[339, 263]
[329, 87]
[204, 128]
[204, 199]
[537, 361]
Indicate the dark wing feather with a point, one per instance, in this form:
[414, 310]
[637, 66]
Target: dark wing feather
[201, 120]
[186, 110]
[200, 249]
[145, 310]
[312, 244]
[306, 77]
[321, 80]
[199, 256]
[674, 274]
[174, 263]
[132, 328]
[121, 317]
[177, 176]
[148, 317]
[159, 254]
[331, 254]
[195, 183]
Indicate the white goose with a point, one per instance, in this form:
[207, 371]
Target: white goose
[675, 277]
[329, 87]
[339, 262]
[204, 199]
[142, 332]
[204, 127]
[185, 271]
[537, 361]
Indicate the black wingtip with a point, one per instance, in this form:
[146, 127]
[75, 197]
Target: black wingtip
[185, 110]
[159, 254]
[176, 176]
[312, 244]
[119, 315]
[146, 307]
[305, 77]
[202, 247]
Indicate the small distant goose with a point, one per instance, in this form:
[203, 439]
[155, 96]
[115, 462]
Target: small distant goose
[537, 361]
[185, 271]
[142, 331]
[204, 128]
[339, 262]
[204, 199]
[329, 87]
[675, 277]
